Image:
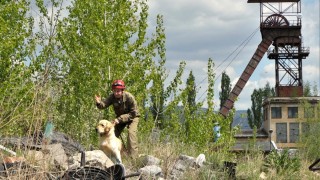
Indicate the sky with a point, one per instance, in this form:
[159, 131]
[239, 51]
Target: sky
[228, 32]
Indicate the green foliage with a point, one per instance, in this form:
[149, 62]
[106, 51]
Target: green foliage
[160, 98]
[69, 59]
[199, 130]
[191, 92]
[193, 115]
[250, 118]
[256, 109]
[226, 141]
[210, 92]
[308, 90]
[13, 31]
[309, 139]
[103, 41]
[253, 149]
[158, 76]
[189, 123]
[17, 90]
[72, 59]
[255, 114]
[282, 162]
[268, 91]
[224, 94]
[249, 164]
[199, 124]
[173, 116]
[225, 88]
[54, 72]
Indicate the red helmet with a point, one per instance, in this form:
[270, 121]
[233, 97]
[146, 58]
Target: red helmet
[118, 84]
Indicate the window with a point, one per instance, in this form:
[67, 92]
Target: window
[281, 130]
[292, 112]
[294, 132]
[309, 112]
[276, 113]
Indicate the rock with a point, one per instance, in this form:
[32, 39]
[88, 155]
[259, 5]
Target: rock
[50, 155]
[150, 172]
[183, 163]
[95, 158]
[263, 175]
[150, 160]
[200, 160]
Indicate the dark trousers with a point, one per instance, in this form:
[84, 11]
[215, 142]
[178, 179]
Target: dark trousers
[132, 139]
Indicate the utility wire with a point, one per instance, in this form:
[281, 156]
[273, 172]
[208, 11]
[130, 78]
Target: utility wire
[245, 44]
[242, 45]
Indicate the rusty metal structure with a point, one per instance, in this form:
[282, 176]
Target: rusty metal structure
[280, 26]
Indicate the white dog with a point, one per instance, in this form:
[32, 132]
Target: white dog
[109, 143]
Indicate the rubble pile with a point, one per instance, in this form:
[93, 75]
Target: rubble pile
[64, 158]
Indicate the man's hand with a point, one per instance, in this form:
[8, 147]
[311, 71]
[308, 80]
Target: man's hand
[115, 121]
[98, 99]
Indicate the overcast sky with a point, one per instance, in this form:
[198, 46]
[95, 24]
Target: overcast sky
[197, 30]
[228, 32]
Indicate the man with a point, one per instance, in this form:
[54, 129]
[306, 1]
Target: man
[126, 110]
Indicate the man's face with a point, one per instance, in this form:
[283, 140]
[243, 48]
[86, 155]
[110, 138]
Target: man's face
[117, 93]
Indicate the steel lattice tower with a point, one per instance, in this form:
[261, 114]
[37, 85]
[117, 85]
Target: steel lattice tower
[282, 19]
[280, 26]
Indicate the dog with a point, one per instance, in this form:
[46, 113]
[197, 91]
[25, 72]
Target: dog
[109, 143]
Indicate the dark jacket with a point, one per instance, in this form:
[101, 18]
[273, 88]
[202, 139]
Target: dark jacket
[126, 109]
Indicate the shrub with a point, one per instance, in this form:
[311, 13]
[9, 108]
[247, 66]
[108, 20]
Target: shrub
[282, 161]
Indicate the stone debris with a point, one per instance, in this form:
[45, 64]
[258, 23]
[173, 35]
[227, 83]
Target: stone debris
[64, 155]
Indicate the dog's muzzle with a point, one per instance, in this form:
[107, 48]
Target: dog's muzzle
[100, 133]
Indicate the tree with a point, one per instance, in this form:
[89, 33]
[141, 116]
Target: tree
[71, 58]
[255, 113]
[158, 76]
[13, 32]
[172, 97]
[16, 90]
[224, 94]
[315, 89]
[307, 89]
[197, 125]
[102, 41]
[189, 103]
[268, 91]
[225, 88]
[191, 92]
[310, 140]
[210, 92]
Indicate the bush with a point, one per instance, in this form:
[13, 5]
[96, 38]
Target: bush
[282, 161]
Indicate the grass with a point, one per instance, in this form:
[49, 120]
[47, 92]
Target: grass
[250, 165]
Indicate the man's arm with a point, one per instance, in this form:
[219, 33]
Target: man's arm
[133, 110]
[102, 104]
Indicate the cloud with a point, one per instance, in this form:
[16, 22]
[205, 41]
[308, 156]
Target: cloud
[228, 32]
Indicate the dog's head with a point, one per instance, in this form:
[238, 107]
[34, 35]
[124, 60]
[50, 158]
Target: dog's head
[104, 127]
